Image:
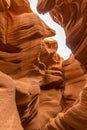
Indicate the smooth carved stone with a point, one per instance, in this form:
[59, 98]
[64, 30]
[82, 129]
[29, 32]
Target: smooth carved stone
[19, 103]
[50, 63]
[27, 101]
[73, 118]
[17, 56]
[52, 83]
[9, 117]
[74, 81]
[32, 63]
[4, 5]
[72, 16]
[21, 37]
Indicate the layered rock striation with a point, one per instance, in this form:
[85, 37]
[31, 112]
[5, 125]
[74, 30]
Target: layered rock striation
[30, 68]
[72, 16]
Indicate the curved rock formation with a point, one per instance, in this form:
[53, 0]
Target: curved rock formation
[72, 16]
[9, 117]
[32, 82]
[74, 81]
[31, 62]
[4, 5]
[52, 84]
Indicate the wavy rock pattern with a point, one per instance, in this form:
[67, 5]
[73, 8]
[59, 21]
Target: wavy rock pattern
[74, 81]
[29, 62]
[72, 16]
[32, 73]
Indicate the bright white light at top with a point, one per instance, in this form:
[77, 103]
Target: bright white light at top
[63, 50]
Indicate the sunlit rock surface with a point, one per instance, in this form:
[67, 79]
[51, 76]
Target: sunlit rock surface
[72, 16]
[30, 68]
[52, 84]
[35, 82]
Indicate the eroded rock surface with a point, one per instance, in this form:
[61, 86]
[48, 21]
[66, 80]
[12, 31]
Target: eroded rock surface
[72, 16]
[32, 77]
[31, 63]
[74, 81]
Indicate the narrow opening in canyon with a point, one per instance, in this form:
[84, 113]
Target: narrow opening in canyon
[63, 50]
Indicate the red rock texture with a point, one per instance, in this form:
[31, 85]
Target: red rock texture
[33, 75]
[72, 16]
[28, 62]
[52, 84]
[9, 117]
[74, 81]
